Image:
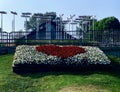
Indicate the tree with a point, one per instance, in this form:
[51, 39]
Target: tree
[107, 29]
[109, 23]
[32, 23]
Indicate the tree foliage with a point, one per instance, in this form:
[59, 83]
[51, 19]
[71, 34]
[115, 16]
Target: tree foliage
[107, 30]
[109, 23]
[32, 23]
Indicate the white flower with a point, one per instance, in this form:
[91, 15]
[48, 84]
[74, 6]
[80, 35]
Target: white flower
[28, 55]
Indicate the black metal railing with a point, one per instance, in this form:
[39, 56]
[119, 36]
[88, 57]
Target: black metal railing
[101, 38]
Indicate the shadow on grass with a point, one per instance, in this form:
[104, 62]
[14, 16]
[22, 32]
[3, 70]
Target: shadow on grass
[113, 69]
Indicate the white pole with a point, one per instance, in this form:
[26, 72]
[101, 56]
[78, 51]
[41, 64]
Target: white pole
[14, 23]
[26, 30]
[46, 30]
[26, 15]
[2, 12]
[1, 27]
[61, 36]
[93, 27]
[89, 30]
[56, 28]
[1, 22]
[37, 16]
[37, 28]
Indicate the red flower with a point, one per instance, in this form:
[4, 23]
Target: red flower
[60, 51]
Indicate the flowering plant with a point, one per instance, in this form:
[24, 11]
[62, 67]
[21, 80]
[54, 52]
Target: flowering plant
[59, 55]
[60, 51]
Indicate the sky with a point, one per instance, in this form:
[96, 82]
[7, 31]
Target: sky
[98, 8]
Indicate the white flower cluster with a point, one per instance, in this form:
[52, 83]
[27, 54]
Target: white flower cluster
[28, 55]
[93, 55]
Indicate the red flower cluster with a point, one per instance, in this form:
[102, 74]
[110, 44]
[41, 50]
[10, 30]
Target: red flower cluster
[60, 51]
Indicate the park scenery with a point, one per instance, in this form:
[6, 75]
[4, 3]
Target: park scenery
[51, 58]
[61, 56]
[35, 69]
[50, 51]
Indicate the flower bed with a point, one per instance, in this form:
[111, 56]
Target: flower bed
[62, 56]
[60, 51]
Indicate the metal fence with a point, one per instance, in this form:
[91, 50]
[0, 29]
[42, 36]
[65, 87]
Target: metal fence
[103, 39]
[96, 38]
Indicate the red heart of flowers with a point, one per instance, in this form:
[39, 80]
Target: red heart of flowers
[60, 51]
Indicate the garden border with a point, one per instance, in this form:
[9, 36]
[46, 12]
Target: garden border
[26, 68]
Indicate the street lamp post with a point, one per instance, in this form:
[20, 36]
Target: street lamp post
[37, 16]
[13, 23]
[68, 19]
[48, 27]
[80, 31]
[89, 25]
[61, 36]
[79, 21]
[57, 30]
[75, 23]
[46, 34]
[48, 19]
[71, 17]
[56, 20]
[73, 29]
[2, 12]
[89, 29]
[26, 15]
[65, 22]
[93, 19]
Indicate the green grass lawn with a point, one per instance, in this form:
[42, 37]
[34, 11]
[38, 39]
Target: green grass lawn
[79, 81]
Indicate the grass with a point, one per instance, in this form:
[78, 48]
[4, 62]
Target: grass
[79, 81]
